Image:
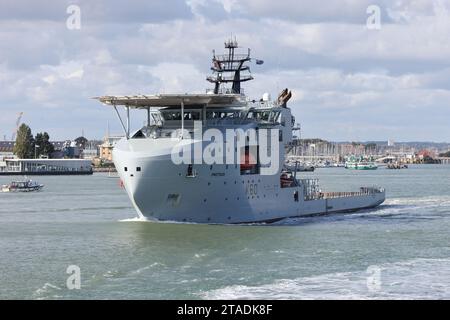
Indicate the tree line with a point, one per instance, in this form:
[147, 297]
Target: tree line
[28, 146]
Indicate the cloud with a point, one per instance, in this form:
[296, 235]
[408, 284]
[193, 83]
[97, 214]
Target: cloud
[95, 12]
[308, 11]
[349, 82]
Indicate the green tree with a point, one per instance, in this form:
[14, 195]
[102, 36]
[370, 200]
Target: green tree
[81, 142]
[24, 147]
[47, 146]
[38, 141]
[43, 145]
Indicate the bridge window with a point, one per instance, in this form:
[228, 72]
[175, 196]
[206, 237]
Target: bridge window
[176, 115]
[223, 114]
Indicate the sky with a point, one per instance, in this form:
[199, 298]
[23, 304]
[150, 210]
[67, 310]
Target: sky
[352, 80]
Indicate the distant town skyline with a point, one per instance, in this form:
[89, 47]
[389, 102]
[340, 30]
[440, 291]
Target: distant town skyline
[350, 82]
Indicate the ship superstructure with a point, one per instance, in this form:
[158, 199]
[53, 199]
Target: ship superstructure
[189, 163]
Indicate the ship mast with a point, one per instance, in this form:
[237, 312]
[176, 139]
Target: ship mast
[230, 68]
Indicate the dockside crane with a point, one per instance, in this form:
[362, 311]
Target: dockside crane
[13, 137]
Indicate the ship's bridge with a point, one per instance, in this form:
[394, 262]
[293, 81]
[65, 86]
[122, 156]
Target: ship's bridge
[179, 111]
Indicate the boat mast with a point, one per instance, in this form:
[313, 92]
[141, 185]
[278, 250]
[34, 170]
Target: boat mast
[230, 68]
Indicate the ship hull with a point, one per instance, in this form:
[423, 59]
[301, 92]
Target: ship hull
[216, 194]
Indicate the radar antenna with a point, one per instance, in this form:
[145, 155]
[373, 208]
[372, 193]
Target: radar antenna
[230, 68]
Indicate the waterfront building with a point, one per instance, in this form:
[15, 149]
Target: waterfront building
[45, 167]
[6, 149]
[106, 148]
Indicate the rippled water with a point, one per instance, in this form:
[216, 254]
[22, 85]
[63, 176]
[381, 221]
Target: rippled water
[87, 221]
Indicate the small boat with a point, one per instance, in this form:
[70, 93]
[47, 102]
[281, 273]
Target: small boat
[360, 163]
[361, 166]
[397, 166]
[22, 186]
[298, 167]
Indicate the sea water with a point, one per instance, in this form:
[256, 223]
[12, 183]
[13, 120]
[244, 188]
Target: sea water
[400, 250]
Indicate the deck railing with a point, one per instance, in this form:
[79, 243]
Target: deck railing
[363, 191]
[311, 191]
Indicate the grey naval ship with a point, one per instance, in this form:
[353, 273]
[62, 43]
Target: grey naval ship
[235, 183]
